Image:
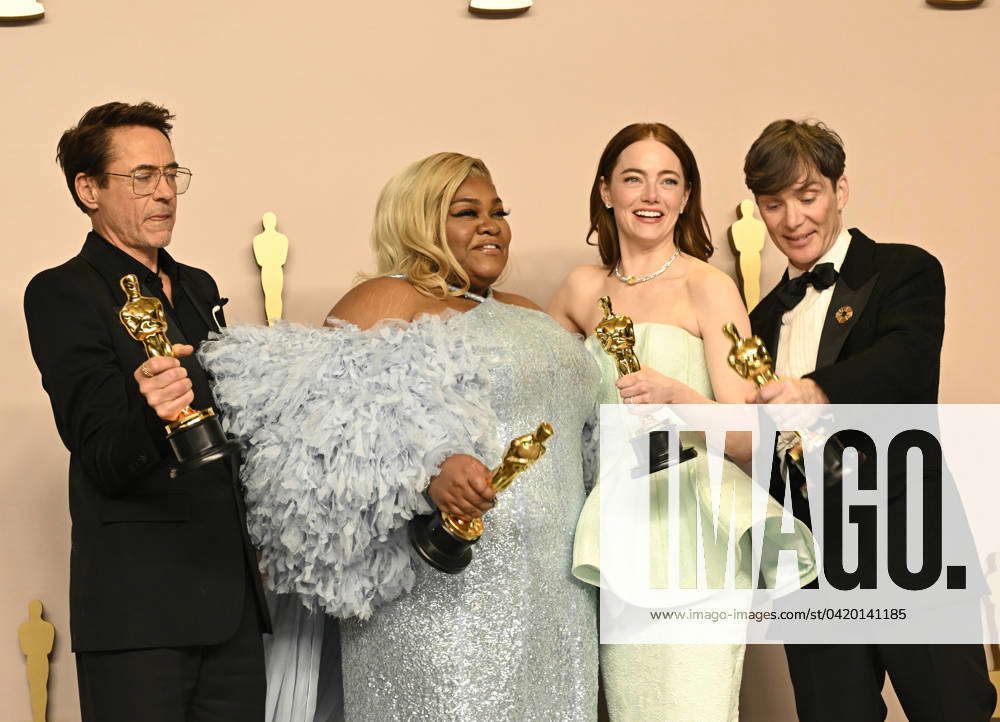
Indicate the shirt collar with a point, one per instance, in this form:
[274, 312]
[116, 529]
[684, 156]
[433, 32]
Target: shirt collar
[835, 254]
[113, 262]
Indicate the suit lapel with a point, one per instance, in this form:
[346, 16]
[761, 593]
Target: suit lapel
[201, 305]
[111, 264]
[769, 311]
[174, 333]
[850, 296]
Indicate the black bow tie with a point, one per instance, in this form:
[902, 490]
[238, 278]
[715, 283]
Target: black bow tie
[791, 291]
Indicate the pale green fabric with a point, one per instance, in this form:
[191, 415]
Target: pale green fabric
[678, 682]
[676, 353]
[673, 352]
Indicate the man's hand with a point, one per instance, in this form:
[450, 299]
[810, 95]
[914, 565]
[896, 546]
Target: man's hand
[165, 383]
[463, 487]
[789, 391]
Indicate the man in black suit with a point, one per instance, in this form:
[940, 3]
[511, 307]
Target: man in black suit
[852, 322]
[165, 599]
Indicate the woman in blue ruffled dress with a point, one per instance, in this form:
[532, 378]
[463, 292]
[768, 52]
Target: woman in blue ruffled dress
[420, 379]
[653, 239]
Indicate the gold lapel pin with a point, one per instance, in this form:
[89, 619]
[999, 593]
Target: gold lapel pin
[843, 314]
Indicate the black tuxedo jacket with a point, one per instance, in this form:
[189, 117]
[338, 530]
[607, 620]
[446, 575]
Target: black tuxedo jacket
[889, 350]
[155, 561]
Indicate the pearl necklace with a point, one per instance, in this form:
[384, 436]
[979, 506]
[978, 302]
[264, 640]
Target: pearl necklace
[632, 280]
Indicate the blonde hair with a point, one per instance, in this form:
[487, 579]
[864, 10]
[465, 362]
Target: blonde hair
[408, 233]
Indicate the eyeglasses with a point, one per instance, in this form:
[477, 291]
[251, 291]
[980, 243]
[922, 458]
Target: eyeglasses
[145, 180]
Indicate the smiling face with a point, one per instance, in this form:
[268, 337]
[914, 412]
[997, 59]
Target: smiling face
[137, 224]
[477, 232]
[805, 219]
[647, 191]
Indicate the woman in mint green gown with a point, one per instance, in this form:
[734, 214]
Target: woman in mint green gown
[653, 240]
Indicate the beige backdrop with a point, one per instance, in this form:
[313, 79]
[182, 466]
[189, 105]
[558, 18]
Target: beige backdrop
[307, 108]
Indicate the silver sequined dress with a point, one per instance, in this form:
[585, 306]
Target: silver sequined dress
[513, 637]
[342, 429]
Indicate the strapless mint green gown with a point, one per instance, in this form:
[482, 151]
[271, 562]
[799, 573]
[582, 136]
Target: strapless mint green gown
[682, 682]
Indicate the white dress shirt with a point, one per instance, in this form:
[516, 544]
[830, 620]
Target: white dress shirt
[801, 327]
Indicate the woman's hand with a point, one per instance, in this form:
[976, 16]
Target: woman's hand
[649, 386]
[463, 487]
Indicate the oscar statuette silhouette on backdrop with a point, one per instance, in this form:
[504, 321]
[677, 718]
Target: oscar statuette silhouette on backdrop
[36, 637]
[270, 250]
[748, 235]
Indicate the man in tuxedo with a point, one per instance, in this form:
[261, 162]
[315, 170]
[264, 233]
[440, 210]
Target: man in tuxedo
[852, 322]
[166, 608]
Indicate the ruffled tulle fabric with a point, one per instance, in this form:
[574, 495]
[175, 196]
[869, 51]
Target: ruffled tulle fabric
[342, 430]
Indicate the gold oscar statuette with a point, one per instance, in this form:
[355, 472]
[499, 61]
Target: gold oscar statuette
[196, 437]
[616, 334]
[749, 358]
[444, 540]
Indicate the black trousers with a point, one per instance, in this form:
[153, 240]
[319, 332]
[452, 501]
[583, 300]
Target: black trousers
[218, 683]
[934, 682]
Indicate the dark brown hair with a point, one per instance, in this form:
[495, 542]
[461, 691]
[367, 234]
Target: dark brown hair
[86, 148]
[788, 150]
[691, 233]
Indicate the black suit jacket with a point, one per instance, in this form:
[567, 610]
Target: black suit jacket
[889, 351]
[155, 561]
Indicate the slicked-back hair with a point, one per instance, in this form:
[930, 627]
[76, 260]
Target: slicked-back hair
[86, 147]
[691, 233]
[788, 151]
[409, 235]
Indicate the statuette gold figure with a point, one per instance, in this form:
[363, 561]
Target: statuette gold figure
[144, 319]
[616, 335]
[445, 541]
[196, 437]
[522, 453]
[749, 357]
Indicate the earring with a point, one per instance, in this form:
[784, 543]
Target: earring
[608, 206]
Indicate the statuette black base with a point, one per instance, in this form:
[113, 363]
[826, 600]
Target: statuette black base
[201, 443]
[436, 546]
[659, 453]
